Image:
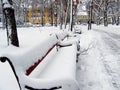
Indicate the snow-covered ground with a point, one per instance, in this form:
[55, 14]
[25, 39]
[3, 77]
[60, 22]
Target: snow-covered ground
[99, 60]
[35, 42]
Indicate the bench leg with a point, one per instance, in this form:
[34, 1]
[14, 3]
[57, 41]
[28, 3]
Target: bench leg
[53, 88]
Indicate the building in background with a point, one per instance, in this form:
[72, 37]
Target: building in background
[30, 11]
[82, 15]
[38, 10]
[35, 13]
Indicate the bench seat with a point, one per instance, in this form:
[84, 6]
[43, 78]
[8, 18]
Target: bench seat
[61, 66]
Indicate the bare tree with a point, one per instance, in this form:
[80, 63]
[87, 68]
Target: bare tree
[98, 9]
[104, 9]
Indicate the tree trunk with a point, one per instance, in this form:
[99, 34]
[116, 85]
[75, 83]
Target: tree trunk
[105, 14]
[42, 16]
[10, 23]
[61, 14]
[113, 20]
[71, 15]
[98, 17]
[55, 13]
[3, 18]
[90, 16]
[98, 20]
[51, 13]
[117, 21]
[66, 16]
[117, 18]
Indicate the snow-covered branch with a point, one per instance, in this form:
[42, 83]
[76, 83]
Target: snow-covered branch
[7, 4]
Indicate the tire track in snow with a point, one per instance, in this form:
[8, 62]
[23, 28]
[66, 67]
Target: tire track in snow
[112, 65]
[92, 73]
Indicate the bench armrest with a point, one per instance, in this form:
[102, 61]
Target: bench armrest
[4, 59]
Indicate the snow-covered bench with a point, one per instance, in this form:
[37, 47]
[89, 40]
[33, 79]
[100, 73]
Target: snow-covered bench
[60, 70]
[51, 73]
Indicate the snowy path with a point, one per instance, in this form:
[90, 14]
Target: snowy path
[98, 67]
[99, 63]
[111, 57]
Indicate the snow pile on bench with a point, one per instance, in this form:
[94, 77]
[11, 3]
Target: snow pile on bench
[57, 72]
[60, 67]
[26, 57]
